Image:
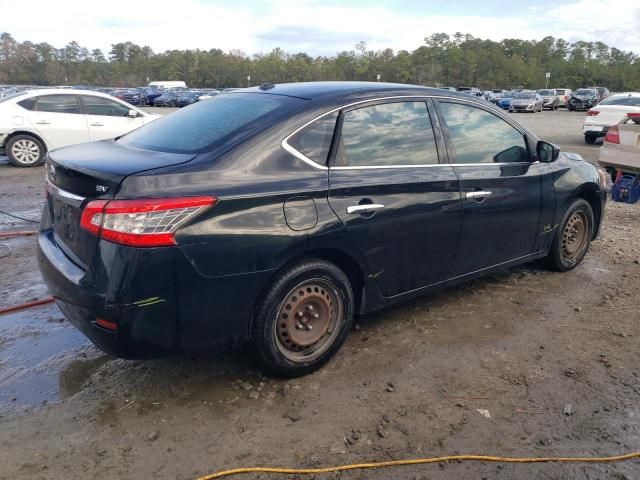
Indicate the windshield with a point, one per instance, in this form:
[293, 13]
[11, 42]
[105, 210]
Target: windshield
[525, 95]
[627, 100]
[585, 91]
[546, 93]
[206, 124]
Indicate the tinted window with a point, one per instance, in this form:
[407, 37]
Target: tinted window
[560, 91]
[104, 106]
[628, 101]
[58, 104]
[201, 126]
[314, 141]
[478, 136]
[387, 134]
[28, 103]
[585, 91]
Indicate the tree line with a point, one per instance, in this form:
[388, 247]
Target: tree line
[458, 60]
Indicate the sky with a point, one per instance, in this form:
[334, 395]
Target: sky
[314, 26]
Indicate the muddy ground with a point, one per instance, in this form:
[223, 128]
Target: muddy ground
[523, 363]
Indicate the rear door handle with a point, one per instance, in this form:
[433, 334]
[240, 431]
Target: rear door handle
[97, 124]
[43, 122]
[479, 194]
[364, 208]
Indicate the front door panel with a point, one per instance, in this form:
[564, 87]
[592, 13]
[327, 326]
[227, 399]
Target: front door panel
[501, 188]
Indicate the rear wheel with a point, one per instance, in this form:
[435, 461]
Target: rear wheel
[573, 238]
[303, 319]
[590, 139]
[25, 151]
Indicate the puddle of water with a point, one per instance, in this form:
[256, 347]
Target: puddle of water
[42, 358]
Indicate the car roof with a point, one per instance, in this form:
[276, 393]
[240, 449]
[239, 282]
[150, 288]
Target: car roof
[625, 94]
[324, 90]
[64, 91]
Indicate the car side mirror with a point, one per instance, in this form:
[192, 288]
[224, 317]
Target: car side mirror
[132, 113]
[547, 152]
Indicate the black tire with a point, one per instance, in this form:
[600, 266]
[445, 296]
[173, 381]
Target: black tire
[590, 139]
[577, 224]
[25, 151]
[285, 351]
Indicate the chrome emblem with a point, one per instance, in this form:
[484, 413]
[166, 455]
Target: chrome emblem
[102, 188]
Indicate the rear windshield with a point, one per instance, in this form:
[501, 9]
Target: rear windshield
[200, 127]
[627, 101]
[560, 91]
[546, 93]
[585, 91]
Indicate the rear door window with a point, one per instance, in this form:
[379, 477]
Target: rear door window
[57, 104]
[389, 134]
[478, 136]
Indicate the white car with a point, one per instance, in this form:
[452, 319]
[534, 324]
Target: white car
[621, 147]
[609, 112]
[36, 121]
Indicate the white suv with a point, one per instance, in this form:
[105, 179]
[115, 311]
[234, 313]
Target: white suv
[35, 121]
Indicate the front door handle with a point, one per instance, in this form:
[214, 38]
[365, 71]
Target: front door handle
[43, 122]
[97, 124]
[478, 194]
[364, 208]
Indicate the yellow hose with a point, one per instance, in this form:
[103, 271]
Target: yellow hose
[418, 461]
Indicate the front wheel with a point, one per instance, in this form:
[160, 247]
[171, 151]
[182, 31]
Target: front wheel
[25, 151]
[303, 319]
[573, 238]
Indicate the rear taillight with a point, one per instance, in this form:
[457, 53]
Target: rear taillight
[141, 223]
[592, 113]
[635, 116]
[613, 135]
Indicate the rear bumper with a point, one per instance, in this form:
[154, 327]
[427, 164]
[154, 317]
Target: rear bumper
[160, 303]
[613, 157]
[144, 329]
[595, 130]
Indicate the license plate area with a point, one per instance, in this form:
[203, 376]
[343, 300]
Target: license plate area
[66, 220]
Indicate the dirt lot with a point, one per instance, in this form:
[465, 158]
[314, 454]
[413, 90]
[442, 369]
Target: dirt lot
[524, 363]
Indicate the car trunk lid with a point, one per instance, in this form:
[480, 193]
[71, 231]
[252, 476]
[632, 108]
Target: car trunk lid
[82, 173]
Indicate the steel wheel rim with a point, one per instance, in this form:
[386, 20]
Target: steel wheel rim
[308, 320]
[574, 237]
[25, 151]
